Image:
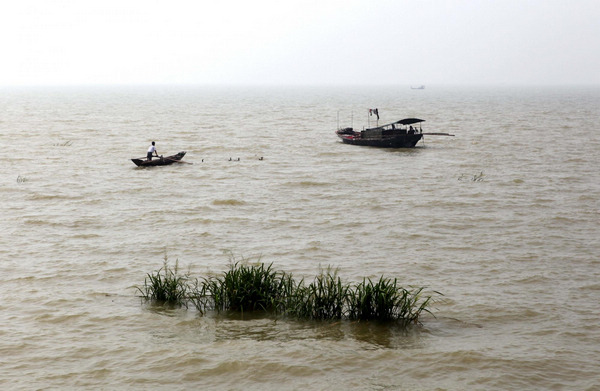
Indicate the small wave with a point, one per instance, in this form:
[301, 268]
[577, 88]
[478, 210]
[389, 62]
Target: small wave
[592, 287]
[58, 318]
[46, 197]
[40, 222]
[198, 220]
[85, 236]
[228, 202]
[307, 184]
[311, 183]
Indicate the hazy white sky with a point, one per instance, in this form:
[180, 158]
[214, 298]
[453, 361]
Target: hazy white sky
[369, 42]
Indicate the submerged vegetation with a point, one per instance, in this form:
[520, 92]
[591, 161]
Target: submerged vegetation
[260, 288]
[166, 285]
[243, 288]
[326, 297]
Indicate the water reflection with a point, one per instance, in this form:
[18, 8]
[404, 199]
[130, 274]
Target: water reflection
[258, 327]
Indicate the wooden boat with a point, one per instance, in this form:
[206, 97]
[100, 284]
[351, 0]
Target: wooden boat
[399, 134]
[159, 161]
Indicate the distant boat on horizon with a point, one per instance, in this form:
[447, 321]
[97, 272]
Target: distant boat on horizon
[421, 87]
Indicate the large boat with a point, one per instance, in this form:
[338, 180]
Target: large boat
[159, 161]
[399, 134]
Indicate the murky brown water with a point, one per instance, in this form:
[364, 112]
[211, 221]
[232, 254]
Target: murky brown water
[515, 254]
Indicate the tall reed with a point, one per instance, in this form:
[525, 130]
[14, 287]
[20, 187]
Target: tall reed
[243, 288]
[166, 285]
[324, 298]
[258, 287]
[386, 300]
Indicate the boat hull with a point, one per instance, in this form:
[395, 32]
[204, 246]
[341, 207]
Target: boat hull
[399, 134]
[398, 141]
[160, 161]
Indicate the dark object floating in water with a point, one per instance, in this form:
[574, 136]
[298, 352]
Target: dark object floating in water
[399, 134]
[160, 161]
[394, 135]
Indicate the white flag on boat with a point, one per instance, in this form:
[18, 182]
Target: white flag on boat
[374, 111]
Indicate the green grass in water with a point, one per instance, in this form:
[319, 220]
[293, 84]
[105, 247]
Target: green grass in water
[386, 300]
[324, 298]
[259, 288]
[245, 288]
[166, 285]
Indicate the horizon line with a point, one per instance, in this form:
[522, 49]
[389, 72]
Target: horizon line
[295, 85]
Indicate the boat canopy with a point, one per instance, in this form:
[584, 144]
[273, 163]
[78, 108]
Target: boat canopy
[410, 121]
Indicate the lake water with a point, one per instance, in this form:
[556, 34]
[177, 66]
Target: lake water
[503, 219]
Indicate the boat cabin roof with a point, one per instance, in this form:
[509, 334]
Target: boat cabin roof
[405, 121]
[409, 121]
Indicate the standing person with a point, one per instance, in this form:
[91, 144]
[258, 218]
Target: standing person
[151, 150]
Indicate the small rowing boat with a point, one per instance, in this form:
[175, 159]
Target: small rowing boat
[159, 161]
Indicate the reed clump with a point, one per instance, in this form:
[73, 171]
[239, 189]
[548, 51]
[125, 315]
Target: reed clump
[243, 288]
[260, 288]
[324, 298]
[166, 285]
[386, 300]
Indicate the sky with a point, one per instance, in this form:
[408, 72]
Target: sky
[300, 42]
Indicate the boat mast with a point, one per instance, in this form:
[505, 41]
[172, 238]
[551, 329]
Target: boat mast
[369, 114]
